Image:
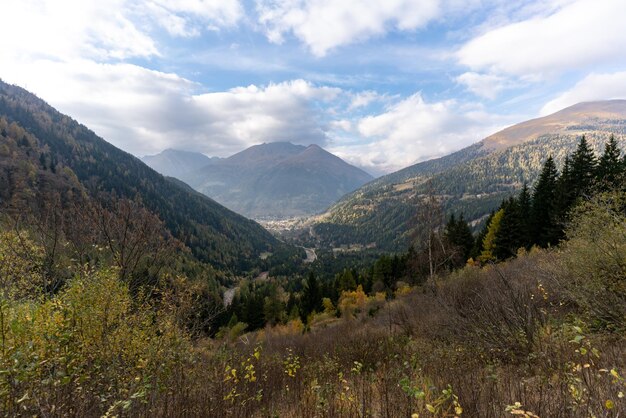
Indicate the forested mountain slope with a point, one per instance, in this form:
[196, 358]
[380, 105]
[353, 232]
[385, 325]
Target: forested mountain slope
[213, 233]
[472, 181]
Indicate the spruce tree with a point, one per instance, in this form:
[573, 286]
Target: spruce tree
[524, 203]
[254, 313]
[583, 169]
[565, 190]
[510, 236]
[543, 212]
[610, 168]
[312, 296]
[459, 234]
[464, 237]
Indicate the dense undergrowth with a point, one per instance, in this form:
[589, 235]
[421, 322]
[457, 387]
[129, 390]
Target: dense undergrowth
[541, 335]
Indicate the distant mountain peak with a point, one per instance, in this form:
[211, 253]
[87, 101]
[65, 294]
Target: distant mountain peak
[177, 163]
[572, 119]
[278, 179]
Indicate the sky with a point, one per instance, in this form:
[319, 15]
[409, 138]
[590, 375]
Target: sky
[381, 83]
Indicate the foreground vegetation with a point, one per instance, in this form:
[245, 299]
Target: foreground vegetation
[541, 335]
[111, 297]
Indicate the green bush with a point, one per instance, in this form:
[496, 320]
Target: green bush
[594, 258]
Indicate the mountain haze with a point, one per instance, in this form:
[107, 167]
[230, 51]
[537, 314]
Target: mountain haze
[278, 180]
[176, 163]
[471, 181]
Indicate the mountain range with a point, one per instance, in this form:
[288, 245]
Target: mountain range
[42, 148]
[267, 181]
[472, 181]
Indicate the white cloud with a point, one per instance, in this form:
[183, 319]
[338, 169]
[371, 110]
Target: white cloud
[342, 125]
[180, 17]
[144, 111]
[103, 30]
[483, 85]
[220, 12]
[364, 98]
[245, 116]
[325, 24]
[413, 130]
[580, 34]
[592, 87]
[66, 29]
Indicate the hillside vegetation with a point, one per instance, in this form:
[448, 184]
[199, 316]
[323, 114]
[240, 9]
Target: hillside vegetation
[542, 335]
[112, 329]
[472, 181]
[54, 141]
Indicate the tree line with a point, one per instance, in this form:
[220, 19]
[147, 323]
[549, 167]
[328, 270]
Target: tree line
[539, 218]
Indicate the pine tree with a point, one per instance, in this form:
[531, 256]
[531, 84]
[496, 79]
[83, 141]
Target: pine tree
[346, 281]
[565, 190]
[459, 234]
[524, 202]
[254, 313]
[543, 212]
[510, 236]
[312, 296]
[610, 168]
[583, 169]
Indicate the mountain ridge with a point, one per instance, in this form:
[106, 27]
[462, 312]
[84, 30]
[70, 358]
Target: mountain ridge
[214, 234]
[277, 180]
[471, 181]
[176, 163]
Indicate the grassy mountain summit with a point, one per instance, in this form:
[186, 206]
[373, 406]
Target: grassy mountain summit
[472, 181]
[213, 233]
[277, 180]
[577, 119]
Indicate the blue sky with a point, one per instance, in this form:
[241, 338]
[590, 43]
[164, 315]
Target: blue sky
[383, 84]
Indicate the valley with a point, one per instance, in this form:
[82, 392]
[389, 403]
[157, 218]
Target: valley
[103, 258]
[312, 209]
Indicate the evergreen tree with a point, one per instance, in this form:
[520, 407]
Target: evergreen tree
[311, 296]
[459, 234]
[510, 235]
[524, 202]
[583, 169]
[610, 168]
[565, 190]
[254, 311]
[273, 310]
[543, 212]
[383, 271]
